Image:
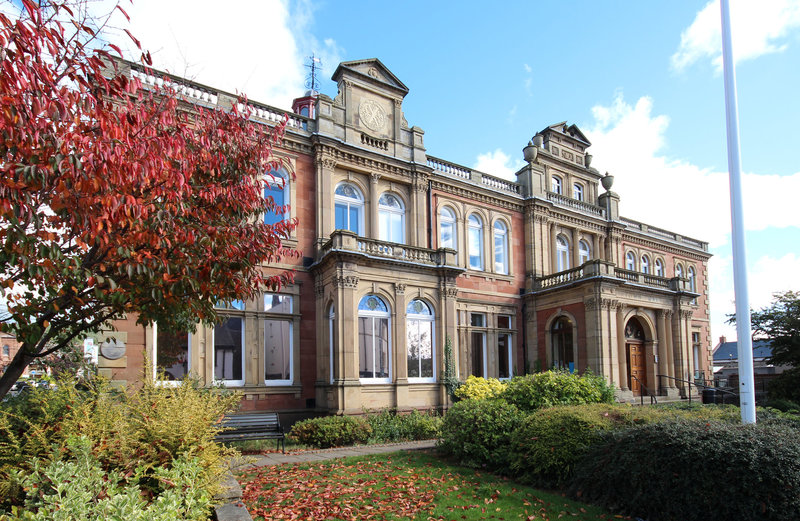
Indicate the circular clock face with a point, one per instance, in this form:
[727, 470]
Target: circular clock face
[372, 115]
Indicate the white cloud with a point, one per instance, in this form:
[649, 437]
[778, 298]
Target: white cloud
[757, 28]
[498, 164]
[261, 54]
[679, 196]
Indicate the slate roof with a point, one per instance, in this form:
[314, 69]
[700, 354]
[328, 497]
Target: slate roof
[728, 351]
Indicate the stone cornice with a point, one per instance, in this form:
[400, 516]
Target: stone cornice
[687, 251]
[447, 185]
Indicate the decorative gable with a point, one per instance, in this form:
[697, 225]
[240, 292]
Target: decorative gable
[372, 72]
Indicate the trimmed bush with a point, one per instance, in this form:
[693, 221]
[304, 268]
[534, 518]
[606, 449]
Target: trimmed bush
[477, 432]
[479, 388]
[551, 388]
[548, 443]
[331, 431]
[691, 470]
[785, 386]
[388, 426]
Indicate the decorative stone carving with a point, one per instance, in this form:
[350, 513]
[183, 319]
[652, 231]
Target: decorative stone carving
[112, 349]
[346, 281]
[400, 288]
[590, 304]
[375, 177]
[449, 292]
[372, 115]
[687, 313]
[319, 288]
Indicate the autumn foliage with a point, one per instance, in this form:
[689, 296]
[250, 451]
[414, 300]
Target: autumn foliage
[116, 198]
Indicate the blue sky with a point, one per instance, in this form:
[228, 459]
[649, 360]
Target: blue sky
[642, 79]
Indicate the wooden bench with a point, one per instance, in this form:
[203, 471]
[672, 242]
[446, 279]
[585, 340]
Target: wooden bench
[252, 426]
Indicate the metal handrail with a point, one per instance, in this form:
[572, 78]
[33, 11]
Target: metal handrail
[653, 399]
[703, 386]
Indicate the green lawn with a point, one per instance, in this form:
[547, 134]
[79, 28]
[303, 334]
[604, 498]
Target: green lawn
[400, 485]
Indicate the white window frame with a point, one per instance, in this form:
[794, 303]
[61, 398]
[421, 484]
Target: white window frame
[584, 252]
[506, 332]
[630, 261]
[377, 315]
[679, 270]
[577, 191]
[645, 263]
[447, 219]
[481, 330]
[349, 203]
[169, 383]
[420, 318]
[475, 235]
[272, 182]
[387, 215]
[500, 247]
[658, 268]
[562, 253]
[229, 383]
[279, 316]
[556, 185]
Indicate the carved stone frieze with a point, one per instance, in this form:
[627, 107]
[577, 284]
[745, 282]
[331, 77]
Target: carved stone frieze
[686, 314]
[346, 281]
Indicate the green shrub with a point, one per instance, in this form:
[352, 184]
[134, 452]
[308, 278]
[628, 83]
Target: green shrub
[694, 470]
[389, 426]
[331, 431]
[784, 405]
[548, 443]
[785, 386]
[478, 388]
[79, 488]
[551, 388]
[477, 432]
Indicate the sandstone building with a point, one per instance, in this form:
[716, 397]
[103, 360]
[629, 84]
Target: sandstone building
[403, 251]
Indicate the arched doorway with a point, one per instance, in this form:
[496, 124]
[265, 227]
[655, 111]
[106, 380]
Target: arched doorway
[635, 353]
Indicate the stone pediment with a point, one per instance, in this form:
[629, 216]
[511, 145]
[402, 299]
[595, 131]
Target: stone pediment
[370, 71]
[568, 130]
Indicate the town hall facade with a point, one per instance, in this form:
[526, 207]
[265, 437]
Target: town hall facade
[404, 252]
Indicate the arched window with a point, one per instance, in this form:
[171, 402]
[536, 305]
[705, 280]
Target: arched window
[475, 236]
[679, 271]
[692, 279]
[645, 264]
[349, 208]
[500, 248]
[555, 184]
[276, 190]
[659, 268]
[562, 253]
[577, 191]
[584, 251]
[630, 261]
[420, 342]
[391, 219]
[561, 344]
[374, 341]
[447, 229]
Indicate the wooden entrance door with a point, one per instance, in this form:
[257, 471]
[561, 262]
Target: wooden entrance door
[636, 367]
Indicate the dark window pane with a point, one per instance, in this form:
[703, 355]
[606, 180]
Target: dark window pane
[228, 350]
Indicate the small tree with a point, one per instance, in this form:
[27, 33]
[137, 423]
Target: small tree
[116, 199]
[779, 323]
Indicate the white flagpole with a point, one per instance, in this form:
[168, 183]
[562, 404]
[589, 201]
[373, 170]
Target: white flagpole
[747, 397]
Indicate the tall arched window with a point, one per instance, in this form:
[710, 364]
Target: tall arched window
[659, 268]
[577, 191]
[420, 342]
[391, 219]
[645, 264]
[630, 261]
[500, 248]
[475, 236]
[584, 251]
[679, 271]
[561, 344]
[562, 253]
[692, 279]
[349, 208]
[374, 341]
[555, 184]
[447, 229]
[276, 190]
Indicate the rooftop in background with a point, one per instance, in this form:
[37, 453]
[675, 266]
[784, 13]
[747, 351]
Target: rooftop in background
[727, 351]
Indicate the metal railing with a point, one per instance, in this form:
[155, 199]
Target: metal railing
[702, 386]
[642, 389]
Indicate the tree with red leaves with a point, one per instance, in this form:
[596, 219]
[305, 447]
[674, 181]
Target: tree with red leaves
[118, 199]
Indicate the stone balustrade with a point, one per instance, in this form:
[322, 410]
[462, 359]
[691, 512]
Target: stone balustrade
[574, 204]
[601, 268]
[660, 233]
[342, 240]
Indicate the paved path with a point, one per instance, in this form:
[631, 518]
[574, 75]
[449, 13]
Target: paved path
[306, 456]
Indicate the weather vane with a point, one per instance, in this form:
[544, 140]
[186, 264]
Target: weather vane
[314, 65]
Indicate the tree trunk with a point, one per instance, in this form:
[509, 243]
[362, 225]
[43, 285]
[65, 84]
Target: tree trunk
[15, 370]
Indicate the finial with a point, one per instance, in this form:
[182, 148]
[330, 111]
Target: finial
[312, 82]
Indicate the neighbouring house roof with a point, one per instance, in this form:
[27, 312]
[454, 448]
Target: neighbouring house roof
[728, 351]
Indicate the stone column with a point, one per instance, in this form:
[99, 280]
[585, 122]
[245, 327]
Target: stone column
[575, 249]
[447, 321]
[399, 357]
[670, 348]
[372, 229]
[551, 243]
[663, 353]
[347, 317]
[622, 352]
[325, 213]
[596, 251]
